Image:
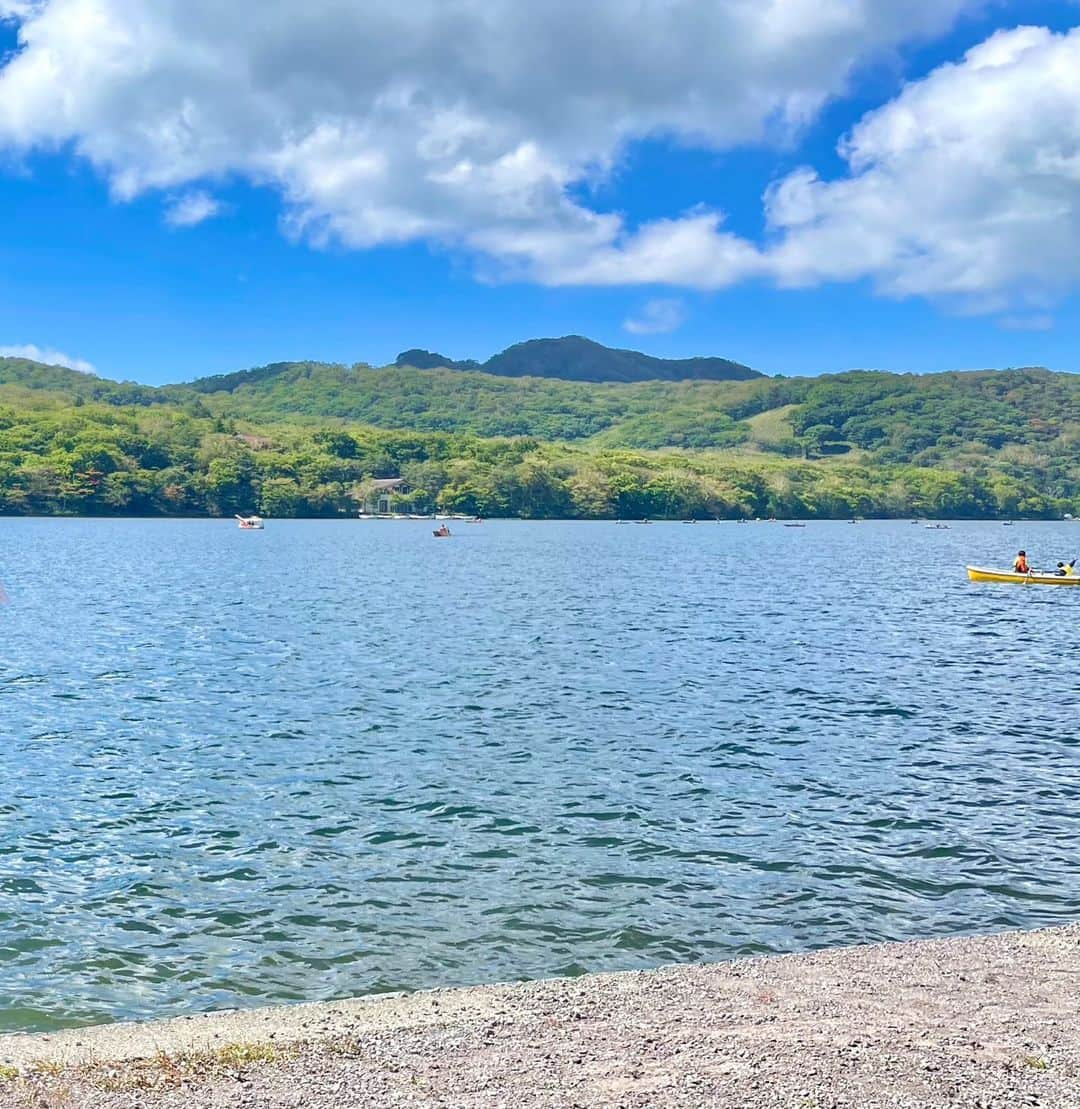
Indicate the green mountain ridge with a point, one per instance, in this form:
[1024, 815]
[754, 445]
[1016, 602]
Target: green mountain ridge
[575, 358]
[305, 438]
[571, 358]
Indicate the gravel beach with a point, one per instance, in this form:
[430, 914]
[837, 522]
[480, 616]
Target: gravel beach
[962, 1022]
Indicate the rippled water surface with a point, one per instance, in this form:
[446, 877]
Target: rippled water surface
[340, 757]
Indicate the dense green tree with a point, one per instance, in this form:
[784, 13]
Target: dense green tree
[943, 445]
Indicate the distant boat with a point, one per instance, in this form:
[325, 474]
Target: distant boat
[794, 525]
[250, 523]
[441, 532]
[938, 527]
[1007, 524]
[477, 520]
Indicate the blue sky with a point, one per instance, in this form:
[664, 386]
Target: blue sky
[162, 258]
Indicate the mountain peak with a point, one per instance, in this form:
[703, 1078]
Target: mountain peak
[420, 359]
[578, 358]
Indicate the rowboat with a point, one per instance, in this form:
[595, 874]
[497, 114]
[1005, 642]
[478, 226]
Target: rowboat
[250, 523]
[1010, 577]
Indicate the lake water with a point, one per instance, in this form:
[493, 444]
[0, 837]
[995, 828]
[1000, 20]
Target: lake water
[340, 757]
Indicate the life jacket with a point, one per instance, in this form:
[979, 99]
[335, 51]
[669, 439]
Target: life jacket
[1021, 566]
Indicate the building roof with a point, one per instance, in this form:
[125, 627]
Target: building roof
[388, 482]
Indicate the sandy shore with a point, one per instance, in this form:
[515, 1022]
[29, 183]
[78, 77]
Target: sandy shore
[965, 1022]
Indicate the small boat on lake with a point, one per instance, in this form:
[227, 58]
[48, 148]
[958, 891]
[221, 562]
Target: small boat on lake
[441, 532]
[250, 523]
[794, 525]
[938, 527]
[1011, 577]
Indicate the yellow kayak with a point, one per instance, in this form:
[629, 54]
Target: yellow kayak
[1036, 577]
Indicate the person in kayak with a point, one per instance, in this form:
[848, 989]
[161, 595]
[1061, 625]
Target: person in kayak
[1066, 569]
[1020, 566]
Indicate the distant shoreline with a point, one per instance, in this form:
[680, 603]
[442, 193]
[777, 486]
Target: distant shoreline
[302, 440]
[963, 1020]
[1017, 520]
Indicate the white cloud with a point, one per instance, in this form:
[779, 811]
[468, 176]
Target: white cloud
[47, 355]
[690, 250]
[16, 9]
[461, 122]
[468, 123]
[967, 185]
[657, 317]
[191, 208]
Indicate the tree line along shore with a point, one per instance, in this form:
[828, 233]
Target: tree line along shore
[309, 440]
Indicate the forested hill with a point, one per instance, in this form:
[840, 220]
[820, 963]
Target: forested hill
[572, 358]
[575, 358]
[304, 438]
[898, 417]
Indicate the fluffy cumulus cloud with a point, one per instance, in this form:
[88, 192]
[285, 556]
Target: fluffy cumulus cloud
[459, 121]
[657, 317]
[47, 355]
[966, 185]
[472, 124]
